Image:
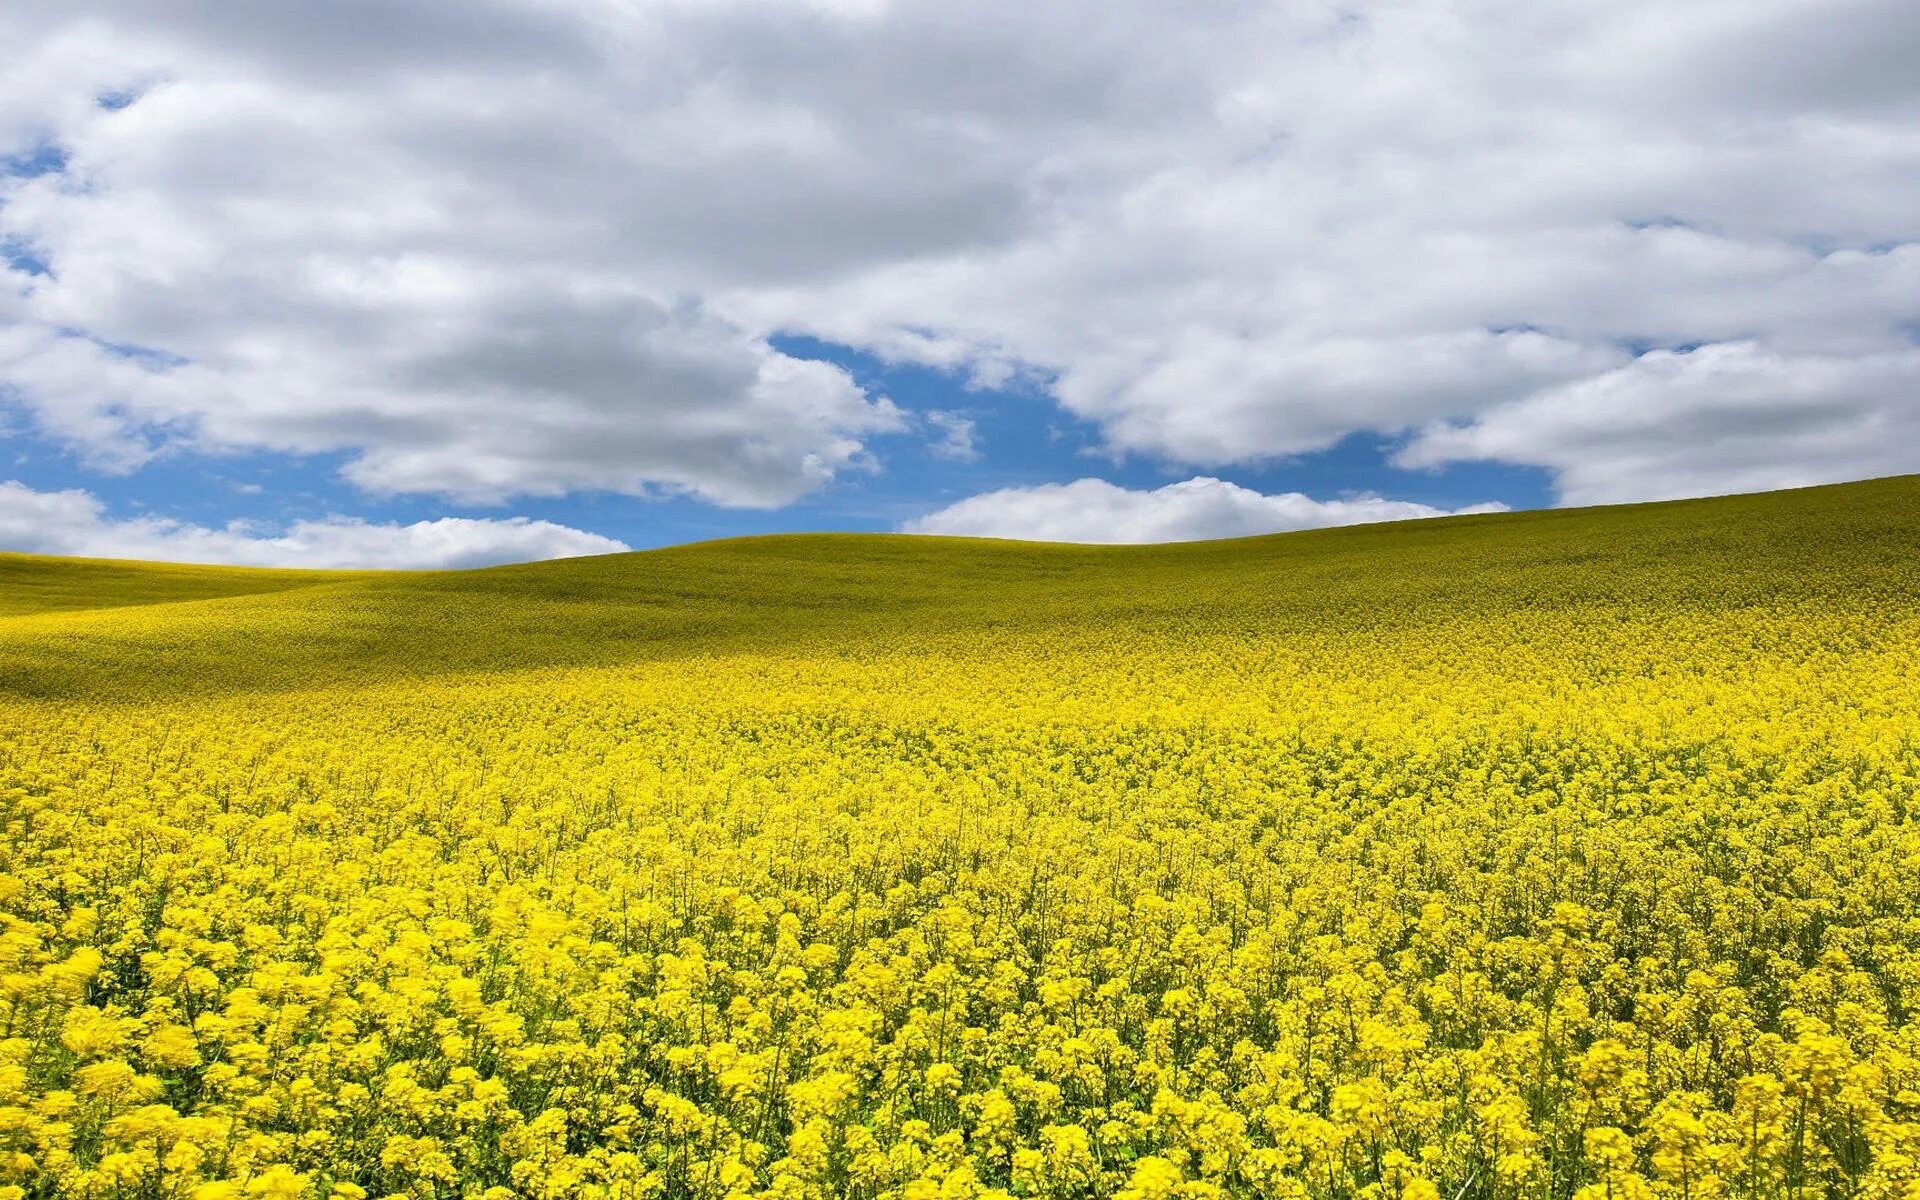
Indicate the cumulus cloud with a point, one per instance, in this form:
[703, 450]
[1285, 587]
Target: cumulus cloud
[500, 392]
[1395, 215]
[500, 248]
[1731, 417]
[958, 437]
[75, 522]
[1093, 510]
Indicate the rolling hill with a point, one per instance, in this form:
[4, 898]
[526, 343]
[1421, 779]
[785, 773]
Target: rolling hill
[101, 628]
[1568, 855]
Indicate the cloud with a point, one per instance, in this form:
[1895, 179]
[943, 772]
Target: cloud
[501, 392]
[502, 248]
[1731, 417]
[958, 437]
[75, 522]
[1093, 510]
[1422, 212]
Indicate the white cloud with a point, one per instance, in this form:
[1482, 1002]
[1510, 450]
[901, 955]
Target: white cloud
[498, 393]
[506, 247]
[958, 440]
[1093, 510]
[1733, 417]
[75, 522]
[1423, 211]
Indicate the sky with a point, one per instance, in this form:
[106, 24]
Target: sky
[430, 284]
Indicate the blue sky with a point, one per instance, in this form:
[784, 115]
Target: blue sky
[438, 284]
[1021, 440]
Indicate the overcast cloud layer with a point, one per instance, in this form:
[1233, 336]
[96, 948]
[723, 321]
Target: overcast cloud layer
[491, 250]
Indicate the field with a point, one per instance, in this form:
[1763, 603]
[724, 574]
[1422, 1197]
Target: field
[1518, 857]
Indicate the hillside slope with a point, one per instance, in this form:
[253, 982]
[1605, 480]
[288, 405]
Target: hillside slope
[88, 628]
[32, 584]
[1548, 856]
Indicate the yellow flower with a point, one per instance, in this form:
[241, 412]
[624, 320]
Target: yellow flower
[1377, 866]
[171, 1045]
[277, 1182]
[1153, 1178]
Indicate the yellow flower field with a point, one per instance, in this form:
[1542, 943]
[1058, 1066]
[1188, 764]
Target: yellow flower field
[1569, 854]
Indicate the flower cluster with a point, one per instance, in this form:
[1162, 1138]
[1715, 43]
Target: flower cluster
[1572, 903]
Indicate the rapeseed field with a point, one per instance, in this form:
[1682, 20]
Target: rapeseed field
[1520, 857]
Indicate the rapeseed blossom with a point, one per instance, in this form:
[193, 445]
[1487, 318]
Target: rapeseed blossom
[1611, 892]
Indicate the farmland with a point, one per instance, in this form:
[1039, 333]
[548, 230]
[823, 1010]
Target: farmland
[1510, 857]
